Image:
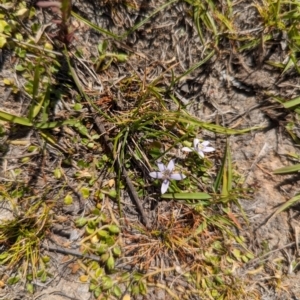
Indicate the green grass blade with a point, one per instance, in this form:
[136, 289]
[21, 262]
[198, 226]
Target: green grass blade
[95, 27]
[140, 24]
[286, 170]
[39, 102]
[225, 21]
[198, 26]
[50, 139]
[55, 124]
[219, 177]
[291, 63]
[15, 119]
[36, 81]
[227, 173]
[277, 98]
[186, 120]
[211, 127]
[46, 103]
[117, 141]
[229, 167]
[293, 135]
[292, 103]
[277, 9]
[285, 206]
[288, 65]
[275, 64]
[187, 196]
[252, 44]
[197, 65]
[229, 6]
[210, 23]
[35, 106]
[225, 191]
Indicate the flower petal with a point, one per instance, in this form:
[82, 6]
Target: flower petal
[205, 143]
[177, 176]
[156, 174]
[161, 166]
[165, 186]
[171, 165]
[186, 149]
[196, 142]
[208, 149]
[200, 152]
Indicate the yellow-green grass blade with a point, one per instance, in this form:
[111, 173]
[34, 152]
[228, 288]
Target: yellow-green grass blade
[284, 206]
[198, 26]
[196, 66]
[95, 27]
[291, 63]
[277, 9]
[4, 116]
[293, 135]
[288, 65]
[224, 192]
[224, 20]
[209, 126]
[55, 124]
[45, 105]
[227, 173]
[275, 64]
[286, 104]
[253, 43]
[48, 138]
[220, 174]
[209, 22]
[151, 118]
[292, 103]
[187, 196]
[140, 24]
[177, 117]
[287, 170]
[229, 168]
[37, 104]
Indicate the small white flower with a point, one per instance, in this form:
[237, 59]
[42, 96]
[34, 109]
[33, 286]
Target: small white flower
[200, 148]
[166, 174]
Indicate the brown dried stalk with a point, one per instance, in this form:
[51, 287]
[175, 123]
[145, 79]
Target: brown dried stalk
[64, 7]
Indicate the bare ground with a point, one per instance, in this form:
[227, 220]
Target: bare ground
[229, 90]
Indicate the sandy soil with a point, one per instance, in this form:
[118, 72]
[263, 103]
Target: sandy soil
[230, 90]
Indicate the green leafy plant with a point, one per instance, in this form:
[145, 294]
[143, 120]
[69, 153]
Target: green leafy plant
[102, 240]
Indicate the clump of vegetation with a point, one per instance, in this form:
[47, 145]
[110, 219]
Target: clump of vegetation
[22, 233]
[137, 137]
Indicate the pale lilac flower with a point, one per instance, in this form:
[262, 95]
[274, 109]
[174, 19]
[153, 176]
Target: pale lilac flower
[166, 174]
[200, 148]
